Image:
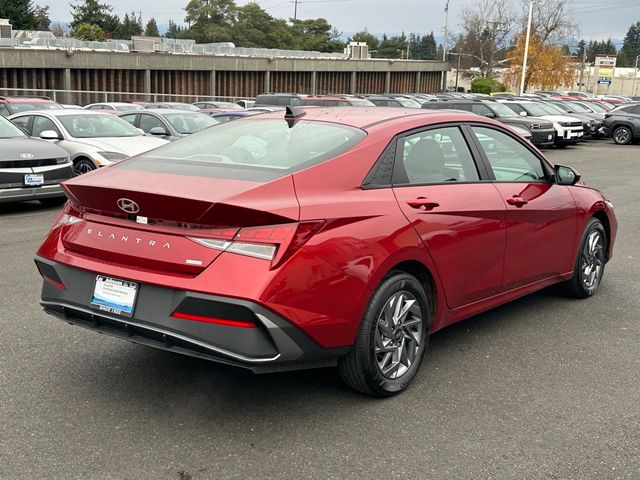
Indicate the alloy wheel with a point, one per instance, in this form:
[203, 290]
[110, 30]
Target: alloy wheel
[398, 334]
[622, 135]
[82, 167]
[592, 260]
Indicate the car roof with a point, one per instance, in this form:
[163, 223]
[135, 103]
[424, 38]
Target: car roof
[127, 104]
[19, 99]
[163, 111]
[368, 117]
[62, 112]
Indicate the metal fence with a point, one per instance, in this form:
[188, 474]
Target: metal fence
[163, 45]
[83, 97]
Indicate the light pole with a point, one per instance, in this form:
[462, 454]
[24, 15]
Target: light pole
[526, 48]
[635, 76]
[444, 44]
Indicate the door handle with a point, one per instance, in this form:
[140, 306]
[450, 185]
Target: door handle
[517, 201]
[422, 203]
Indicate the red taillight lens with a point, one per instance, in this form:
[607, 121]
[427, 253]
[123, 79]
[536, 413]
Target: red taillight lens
[274, 242]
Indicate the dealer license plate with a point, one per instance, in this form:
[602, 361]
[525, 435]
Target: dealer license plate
[33, 179]
[114, 295]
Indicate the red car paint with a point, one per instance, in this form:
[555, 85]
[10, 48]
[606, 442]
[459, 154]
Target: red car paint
[480, 250]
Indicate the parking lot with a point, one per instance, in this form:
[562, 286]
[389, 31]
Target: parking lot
[543, 388]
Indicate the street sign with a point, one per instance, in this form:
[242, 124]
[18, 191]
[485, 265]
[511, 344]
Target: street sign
[605, 69]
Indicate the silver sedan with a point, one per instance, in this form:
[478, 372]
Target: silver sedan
[92, 139]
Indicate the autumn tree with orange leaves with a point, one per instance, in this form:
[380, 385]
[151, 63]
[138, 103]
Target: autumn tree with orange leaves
[548, 66]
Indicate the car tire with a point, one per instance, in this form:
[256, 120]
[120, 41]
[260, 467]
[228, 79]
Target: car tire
[391, 340]
[83, 165]
[590, 262]
[622, 135]
[53, 202]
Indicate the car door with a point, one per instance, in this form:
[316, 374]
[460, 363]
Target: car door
[148, 121]
[455, 209]
[541, 215]
[41, 124]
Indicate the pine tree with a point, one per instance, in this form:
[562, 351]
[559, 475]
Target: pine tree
[151, 30]
[24, 15]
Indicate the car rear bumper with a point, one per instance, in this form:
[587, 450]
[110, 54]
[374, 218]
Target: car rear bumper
[274, 344]
[30, 193]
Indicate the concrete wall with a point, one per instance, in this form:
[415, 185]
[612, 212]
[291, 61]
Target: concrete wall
[207, 75]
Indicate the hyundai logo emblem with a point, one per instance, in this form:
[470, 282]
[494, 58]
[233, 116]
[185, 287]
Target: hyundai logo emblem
[26, 155]
[128, 206]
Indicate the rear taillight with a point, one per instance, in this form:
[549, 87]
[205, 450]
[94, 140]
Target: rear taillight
[275, 243]
[68, 216]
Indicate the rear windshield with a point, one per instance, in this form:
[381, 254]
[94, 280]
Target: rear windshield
[268, 146]
[27, 107]
[188, 123]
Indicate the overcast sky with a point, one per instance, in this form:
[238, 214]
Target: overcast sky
[598, 19]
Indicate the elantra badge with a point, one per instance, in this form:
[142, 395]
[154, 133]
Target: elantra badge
[26, 155]
[128, 206]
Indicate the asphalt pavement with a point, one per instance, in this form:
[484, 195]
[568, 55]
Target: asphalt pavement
[543, 388]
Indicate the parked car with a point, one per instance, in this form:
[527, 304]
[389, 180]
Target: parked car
[219, 105]
[569, 130]
[92, 139]
[173, 105]
[541, 130]
[623, 124]
[114, 106]
[278, 99]
[170, 124]
[591, 122]
[285, 241]
[223, 117]
[335, 101]
[393, 101]
[31, 169]
[11, 105]
[246, 103]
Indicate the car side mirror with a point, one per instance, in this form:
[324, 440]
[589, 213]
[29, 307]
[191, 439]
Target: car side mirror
[523, 114]
[158, 131]
[490, 115]
[566, 175]
[49, 135]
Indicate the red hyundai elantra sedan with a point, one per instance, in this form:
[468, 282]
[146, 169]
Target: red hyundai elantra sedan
[321, 237]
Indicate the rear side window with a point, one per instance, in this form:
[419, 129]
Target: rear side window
[261, 145]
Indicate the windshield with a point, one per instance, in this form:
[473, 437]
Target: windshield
[126, 108]
[559, 106]
[576, 107]
[535, 110]
[553, 109]
[187, 123]
[365, 103]
[407, 102]
[27, 107]
[227, 105]
[9, 130]
[97, 125]
[596, 107]
[253, 144]
[501, 110]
